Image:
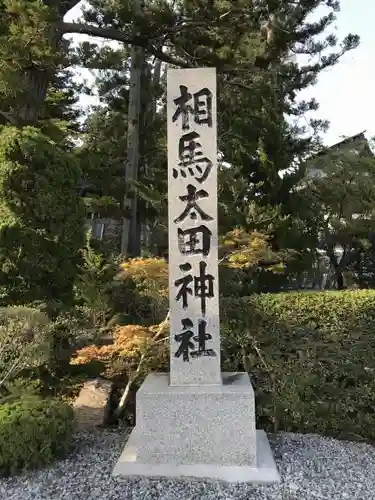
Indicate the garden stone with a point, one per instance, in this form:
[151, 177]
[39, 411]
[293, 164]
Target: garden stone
[92, 406]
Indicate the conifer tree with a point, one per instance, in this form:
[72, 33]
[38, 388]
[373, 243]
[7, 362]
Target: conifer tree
[251, 44]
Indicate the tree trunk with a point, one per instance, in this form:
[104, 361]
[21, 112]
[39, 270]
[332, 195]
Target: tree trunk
[35, 79]
[339, 279]
[129, 238]
[36, 82]
[323, 281]
[338, 268]
[155, 82]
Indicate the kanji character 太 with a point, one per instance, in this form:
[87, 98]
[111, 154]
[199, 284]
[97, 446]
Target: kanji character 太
[192, 207]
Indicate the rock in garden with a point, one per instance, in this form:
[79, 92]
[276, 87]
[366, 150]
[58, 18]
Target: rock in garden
[92, 405]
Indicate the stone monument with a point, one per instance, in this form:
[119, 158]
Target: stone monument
[195, 421]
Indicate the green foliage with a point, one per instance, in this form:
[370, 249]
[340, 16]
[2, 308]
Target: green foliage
[41, 218]
[68, 330]
[35, 89]
[24, 342]
[147, 282]
[35, 350]
[59, 119]
[102, 153]
[22, 387]
[310, 356]
[248, 44]
[24, 42]
[95, 283]
[341, 199]
[102, 159]
[102, 299]
[33, 433]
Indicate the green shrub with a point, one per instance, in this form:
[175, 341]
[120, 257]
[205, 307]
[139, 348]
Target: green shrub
[95, 283]
[38, 349]
[104, 297]
[41, 218]
[33, 432]
[147, 303]
[21, 387]
[24, 341]
[311, 357]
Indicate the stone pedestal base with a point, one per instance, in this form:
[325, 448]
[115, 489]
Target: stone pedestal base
[198, 431]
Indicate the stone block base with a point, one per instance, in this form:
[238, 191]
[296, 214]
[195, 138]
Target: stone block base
[196, 424]
[264, 472]
[198, 431]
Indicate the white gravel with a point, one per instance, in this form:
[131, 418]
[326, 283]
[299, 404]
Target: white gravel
[311, 468]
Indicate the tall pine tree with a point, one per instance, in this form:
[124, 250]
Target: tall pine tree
[250, 44]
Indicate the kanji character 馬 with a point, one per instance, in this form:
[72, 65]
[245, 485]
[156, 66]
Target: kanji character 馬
[192, 160]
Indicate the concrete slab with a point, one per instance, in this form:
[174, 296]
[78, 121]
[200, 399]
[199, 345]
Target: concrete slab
[264, 472]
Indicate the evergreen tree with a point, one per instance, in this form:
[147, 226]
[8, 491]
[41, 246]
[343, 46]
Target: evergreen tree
[250, 44]
[40, 218]
[341, 198]
[62, 112]
[103, 151]
[240, 38]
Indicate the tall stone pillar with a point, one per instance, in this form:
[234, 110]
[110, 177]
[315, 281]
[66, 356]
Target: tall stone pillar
[195, 421]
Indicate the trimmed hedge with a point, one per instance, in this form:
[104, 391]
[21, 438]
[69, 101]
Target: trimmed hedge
[311, 357]
[33, 432]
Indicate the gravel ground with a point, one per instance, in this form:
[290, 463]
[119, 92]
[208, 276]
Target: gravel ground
[311, 468]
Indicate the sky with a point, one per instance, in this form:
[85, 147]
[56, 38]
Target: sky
[346, 92]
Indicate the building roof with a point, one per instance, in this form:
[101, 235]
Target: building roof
[348, 141]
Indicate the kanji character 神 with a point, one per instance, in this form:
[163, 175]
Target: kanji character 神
[203, 285]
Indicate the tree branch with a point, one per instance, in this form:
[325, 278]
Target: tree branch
[163, 56]
[95, 31]
[119, 36]
[62, 6]
[9, 117]
[132, 378]
[239, 85]
[153, 47]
